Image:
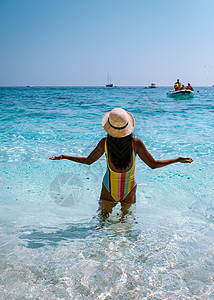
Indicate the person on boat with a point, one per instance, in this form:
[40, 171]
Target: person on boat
[177, 85]
[121, 149]
[189, 87]
[182, 88]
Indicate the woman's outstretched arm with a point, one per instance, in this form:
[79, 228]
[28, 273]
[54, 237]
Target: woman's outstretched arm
[146, 157]
[90, 159]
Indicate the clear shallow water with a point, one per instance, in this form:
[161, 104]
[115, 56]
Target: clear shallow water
[49, 245]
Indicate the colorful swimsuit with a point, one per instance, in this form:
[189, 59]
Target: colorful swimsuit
[119, 185]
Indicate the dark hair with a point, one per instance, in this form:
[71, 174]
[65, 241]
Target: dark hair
[120, 151]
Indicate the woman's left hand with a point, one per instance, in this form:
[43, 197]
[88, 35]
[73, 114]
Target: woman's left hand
[185, 160]
[56, 157]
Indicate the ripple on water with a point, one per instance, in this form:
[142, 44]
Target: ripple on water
[163, 250]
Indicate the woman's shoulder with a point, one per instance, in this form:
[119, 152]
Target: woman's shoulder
[103, 140]
[137, 143]
[135, 140]
[101, 144]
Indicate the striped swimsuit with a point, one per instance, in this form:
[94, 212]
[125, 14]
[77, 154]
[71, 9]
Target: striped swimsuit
[119, 185]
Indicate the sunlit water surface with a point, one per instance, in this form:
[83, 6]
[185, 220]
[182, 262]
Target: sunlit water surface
[50, 247]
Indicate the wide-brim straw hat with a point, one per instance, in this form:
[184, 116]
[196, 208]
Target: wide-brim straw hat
[118, 123]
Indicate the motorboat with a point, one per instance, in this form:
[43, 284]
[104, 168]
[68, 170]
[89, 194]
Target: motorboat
[181, 94]
[153, 85]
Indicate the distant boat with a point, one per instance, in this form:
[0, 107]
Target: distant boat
[153, 85]
[181, 94]
[109, 84]
[29, 86]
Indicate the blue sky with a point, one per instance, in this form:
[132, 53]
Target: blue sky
[78, 42]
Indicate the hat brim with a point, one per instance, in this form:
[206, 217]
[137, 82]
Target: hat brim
[119, 133]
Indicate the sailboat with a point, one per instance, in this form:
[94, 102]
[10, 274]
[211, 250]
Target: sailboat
[109, 84]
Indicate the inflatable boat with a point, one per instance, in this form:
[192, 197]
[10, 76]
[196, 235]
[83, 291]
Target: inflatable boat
[181, 94]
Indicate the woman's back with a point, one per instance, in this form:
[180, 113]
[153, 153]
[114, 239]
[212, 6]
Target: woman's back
[119, 153]
[120, 182]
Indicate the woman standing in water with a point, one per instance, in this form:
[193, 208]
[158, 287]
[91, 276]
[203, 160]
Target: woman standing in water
[119, 182]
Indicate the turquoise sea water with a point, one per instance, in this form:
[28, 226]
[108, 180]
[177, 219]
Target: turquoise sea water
[49, 245]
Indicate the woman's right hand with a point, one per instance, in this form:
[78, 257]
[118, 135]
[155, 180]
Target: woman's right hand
[56, 157]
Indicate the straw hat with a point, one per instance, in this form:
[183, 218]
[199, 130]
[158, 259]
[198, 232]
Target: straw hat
[118, 123]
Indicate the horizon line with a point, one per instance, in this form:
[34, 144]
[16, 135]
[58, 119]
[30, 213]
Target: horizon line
[146, 86]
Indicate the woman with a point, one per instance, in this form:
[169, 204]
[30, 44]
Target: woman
[119, 182]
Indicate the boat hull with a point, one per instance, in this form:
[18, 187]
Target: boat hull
[183, 94]
[153, 85]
